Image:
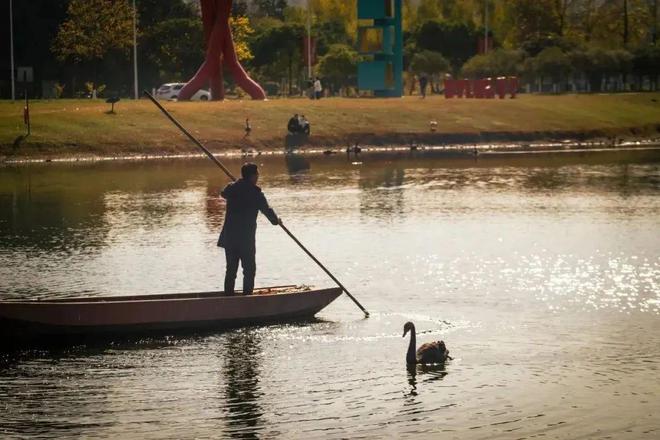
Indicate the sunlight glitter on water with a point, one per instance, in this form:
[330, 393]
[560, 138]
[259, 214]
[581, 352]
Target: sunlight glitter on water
[543, 280]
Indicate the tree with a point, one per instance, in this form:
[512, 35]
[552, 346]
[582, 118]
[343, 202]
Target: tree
[429, 10]
[456, 41]
[343, 11]
[92, 28]
[500, 62]
[561, 10]
[173, 49]
[277, 48]
[239, 8]
[409, 15]
[430, 63]
[528, 19]
[328, 33]
[271, 8]
[551, 62]
[241, 31]
[339, 65]
[596, 63]
[153, 12]
[646, 62]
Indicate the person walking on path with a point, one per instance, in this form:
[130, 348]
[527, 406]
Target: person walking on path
[423, 82]
[318, 88]
[244, 202]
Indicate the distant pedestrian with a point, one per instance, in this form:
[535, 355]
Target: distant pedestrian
[248, 128]
[413, 83]
[318, 88]
[423, 82]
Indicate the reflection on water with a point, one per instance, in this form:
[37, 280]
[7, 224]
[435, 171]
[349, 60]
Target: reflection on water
[428, 374]
[242, 351]
[541, 273]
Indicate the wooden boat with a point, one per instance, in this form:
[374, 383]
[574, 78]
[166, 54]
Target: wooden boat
[146, 313]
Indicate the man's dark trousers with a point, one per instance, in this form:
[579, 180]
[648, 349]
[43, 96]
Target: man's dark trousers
[245, 254]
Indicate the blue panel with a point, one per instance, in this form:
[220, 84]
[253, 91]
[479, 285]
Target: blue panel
[371, 9]
[384, 75]
[371, 75]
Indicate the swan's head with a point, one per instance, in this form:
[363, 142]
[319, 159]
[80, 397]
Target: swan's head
[408, 326]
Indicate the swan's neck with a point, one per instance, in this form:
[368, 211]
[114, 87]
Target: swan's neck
[411, 356]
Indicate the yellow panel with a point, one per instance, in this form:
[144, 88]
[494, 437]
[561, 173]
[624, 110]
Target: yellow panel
[389, 75]
[371, 40]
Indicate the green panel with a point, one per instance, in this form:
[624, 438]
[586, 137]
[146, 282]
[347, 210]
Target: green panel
[371, 9]
[371, 75]
[383, 75]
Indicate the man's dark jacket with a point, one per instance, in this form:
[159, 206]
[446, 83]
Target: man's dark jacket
[244, 201]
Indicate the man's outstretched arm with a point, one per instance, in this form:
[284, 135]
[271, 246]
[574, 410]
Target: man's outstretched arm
[267, 210]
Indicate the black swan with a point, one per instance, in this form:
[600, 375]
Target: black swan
[429, 353]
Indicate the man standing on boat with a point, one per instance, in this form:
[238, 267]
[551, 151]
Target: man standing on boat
[244, 201]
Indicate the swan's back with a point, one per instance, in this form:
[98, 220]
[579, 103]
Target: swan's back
[432, 353]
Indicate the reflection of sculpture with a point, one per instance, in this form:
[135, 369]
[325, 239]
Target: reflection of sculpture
[219, 51]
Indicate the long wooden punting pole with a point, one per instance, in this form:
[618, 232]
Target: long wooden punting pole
[231, 176]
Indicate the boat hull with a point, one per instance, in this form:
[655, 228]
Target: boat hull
[162, 313]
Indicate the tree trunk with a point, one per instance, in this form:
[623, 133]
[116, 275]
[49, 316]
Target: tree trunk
[290, 73]
[655, 22]
[625, 23]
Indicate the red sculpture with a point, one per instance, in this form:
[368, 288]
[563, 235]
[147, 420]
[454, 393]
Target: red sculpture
[219, 51]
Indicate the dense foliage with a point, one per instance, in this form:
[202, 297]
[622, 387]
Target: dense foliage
[558, 42]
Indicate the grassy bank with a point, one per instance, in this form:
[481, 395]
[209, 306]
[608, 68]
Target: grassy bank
[83, 127]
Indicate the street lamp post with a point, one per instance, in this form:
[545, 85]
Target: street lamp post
[135, 69]
[486, 27]
[309, 40]
[11, 39]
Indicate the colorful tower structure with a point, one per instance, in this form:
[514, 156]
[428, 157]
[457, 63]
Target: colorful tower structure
[380, 42]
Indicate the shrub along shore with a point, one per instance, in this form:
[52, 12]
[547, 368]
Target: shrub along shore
[85, 128]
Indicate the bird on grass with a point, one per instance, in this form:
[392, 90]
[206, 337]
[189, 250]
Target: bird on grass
[429, 353]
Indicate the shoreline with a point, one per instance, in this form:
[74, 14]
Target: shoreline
[82, 129]
[449, 151]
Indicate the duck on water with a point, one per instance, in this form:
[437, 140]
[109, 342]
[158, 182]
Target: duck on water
[429, 353]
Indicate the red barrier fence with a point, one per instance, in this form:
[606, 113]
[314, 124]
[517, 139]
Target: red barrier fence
[485, 88]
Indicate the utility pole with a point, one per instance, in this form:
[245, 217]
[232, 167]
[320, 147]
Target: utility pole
[625, 23]
[135, 68]
[486, 27]
[655, 22]
[309, 40]
[11, 39]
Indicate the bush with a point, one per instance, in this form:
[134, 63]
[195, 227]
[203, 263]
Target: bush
[646, 61]
[596, 63]
[551, 62]
[500, 62]
[272, 88]
[339, 65]
[430, 62]
[454, 40]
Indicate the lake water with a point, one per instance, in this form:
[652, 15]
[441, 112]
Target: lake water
[542, 275]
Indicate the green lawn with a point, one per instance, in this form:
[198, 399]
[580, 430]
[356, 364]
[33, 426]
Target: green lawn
[66, 127]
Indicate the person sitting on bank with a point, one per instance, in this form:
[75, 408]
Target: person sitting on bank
[294, 124]
[244, 201]
[304, 125]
